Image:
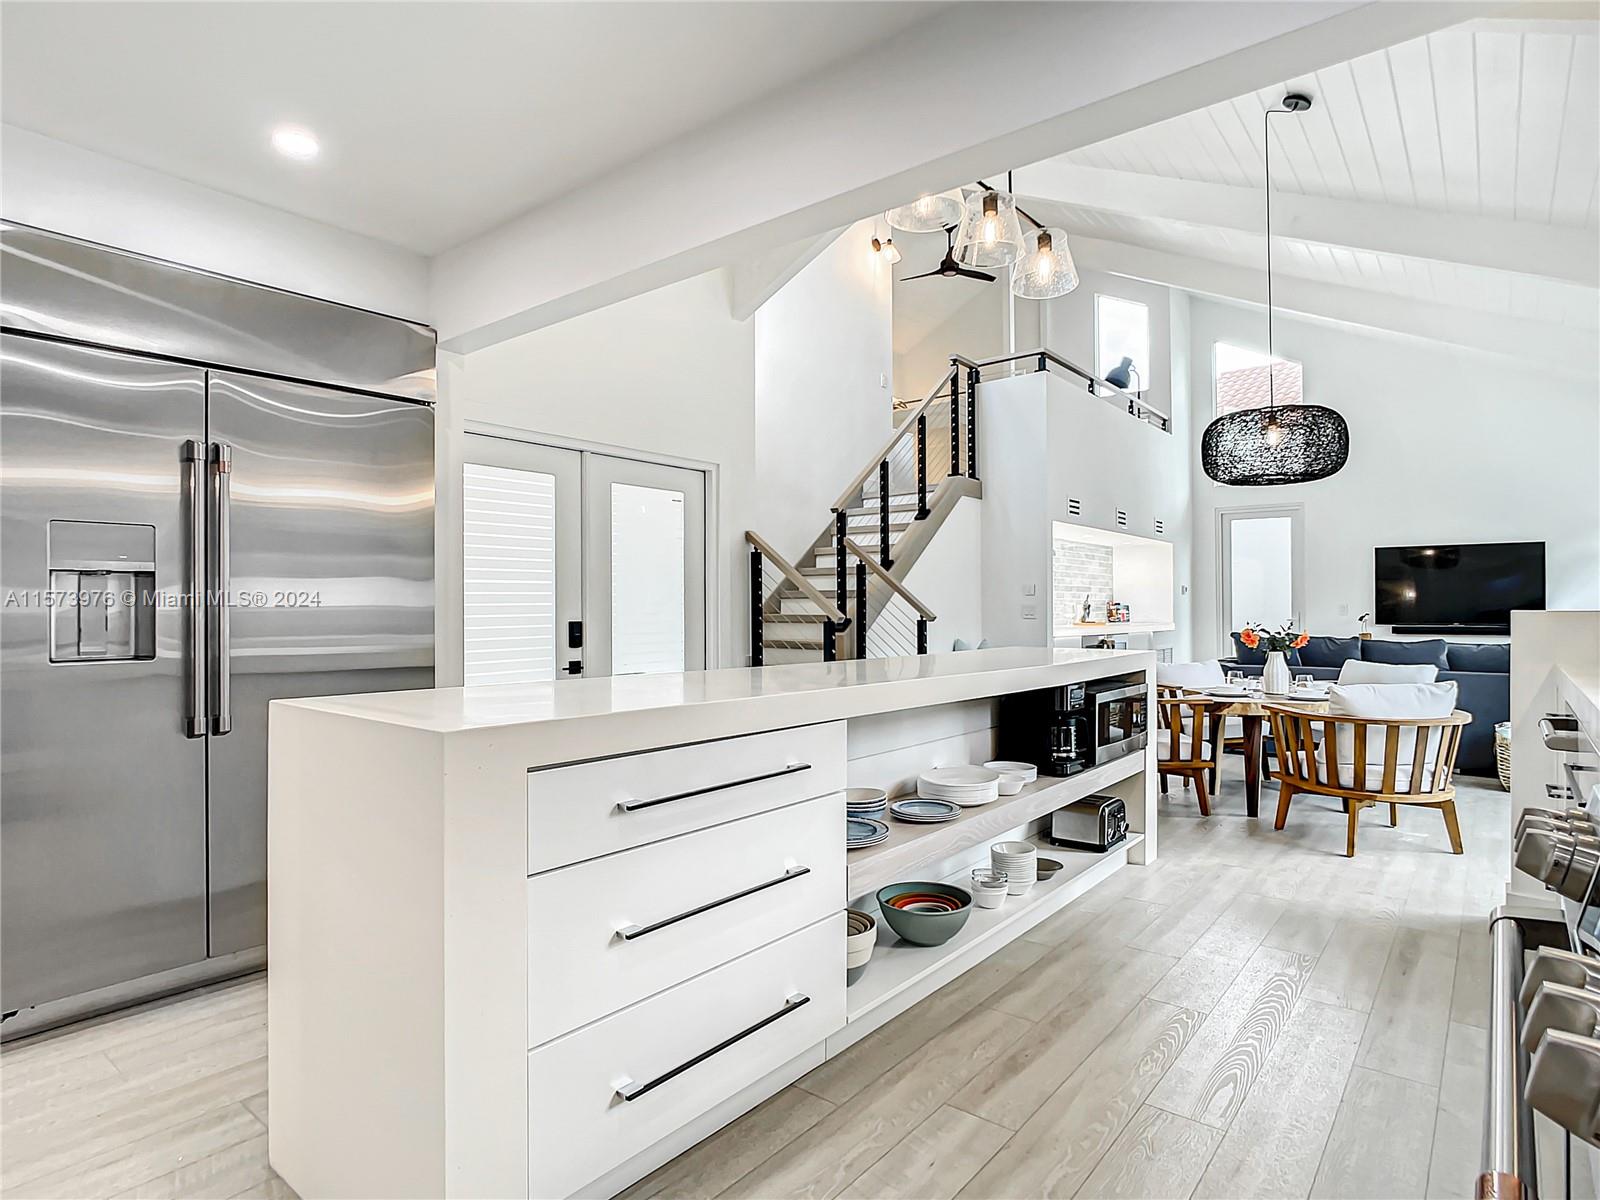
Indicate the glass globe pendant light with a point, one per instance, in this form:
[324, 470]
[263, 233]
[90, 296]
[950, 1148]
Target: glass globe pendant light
[991, 235]
[932, 212]
[1046, 269]
[1281, 443]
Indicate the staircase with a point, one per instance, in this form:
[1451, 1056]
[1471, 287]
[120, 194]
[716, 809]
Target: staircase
[845, 597]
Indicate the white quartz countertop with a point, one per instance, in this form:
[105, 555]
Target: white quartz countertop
[737, 700]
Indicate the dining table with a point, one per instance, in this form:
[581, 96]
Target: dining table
[1250, 705]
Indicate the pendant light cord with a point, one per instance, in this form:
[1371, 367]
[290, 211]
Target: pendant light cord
[1266, 158]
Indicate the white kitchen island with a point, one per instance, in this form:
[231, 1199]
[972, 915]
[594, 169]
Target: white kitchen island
[536, 940]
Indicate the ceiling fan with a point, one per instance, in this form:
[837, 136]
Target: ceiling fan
[949, 267]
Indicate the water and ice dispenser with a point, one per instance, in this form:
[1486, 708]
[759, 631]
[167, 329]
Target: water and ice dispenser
[102, 591]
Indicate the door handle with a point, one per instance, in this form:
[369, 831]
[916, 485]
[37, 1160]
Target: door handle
[195, 664]
[628, 932]
[636, 805]
[628, 1090]
[221, 601]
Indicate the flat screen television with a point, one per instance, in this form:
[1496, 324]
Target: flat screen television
[1457, 589]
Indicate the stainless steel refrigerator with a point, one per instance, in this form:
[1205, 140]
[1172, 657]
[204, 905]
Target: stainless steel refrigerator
[212, 494]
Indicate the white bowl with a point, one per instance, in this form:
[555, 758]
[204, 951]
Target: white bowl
[988, 897]
[1011, 784]
[1014, 850]
[1028, 771]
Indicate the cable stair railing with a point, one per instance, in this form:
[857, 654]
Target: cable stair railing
[881, 521]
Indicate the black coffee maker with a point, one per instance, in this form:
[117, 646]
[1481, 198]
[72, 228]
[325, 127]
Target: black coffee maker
[1051, 728]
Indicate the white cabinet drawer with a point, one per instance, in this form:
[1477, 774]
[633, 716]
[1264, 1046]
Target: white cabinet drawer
[593, 808]
[607, 932]
[677, 1055]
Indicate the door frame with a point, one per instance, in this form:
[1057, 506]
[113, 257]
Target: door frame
[1297, 562]
[710, 471]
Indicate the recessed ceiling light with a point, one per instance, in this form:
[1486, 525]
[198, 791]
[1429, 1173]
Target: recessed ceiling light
[296, 142]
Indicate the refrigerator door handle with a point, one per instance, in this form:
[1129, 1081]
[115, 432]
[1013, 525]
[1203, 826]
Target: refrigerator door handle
[195, 615]
[220, 601]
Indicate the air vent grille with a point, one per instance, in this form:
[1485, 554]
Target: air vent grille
[1122, 518]
[1161, 526]
[1074, 507]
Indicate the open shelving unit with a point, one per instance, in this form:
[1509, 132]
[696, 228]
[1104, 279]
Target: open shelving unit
[910, 846]
[899, 973]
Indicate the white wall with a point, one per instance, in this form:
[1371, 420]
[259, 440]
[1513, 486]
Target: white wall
[976, 328]
[943, 577]
[1444, 447]
[667, 374]
[824, 359]
[69, 190]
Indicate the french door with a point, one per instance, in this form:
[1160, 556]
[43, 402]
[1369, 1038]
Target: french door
[577, 563]
[1262, 553]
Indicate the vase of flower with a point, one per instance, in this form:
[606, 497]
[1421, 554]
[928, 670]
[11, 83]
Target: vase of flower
[1277, 643]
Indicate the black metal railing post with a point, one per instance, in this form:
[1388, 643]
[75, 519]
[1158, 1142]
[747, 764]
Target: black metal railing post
[922, 466]
[883, 514]
[922, 635]
[955, 417]
[861, 609]
[841, 524]
[830, 634]
[757, 645]
[972, 422]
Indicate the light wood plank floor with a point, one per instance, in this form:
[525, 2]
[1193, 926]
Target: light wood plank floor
[1255, 1015]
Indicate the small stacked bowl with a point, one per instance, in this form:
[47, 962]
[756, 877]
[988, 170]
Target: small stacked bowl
[1019, 861]
[925, 914]
[860, 939]
[988, 887]
[866, 802]
[1014, 776]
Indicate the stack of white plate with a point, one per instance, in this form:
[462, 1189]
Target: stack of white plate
[864, 831]
[966, 786]
[1020, 862]
[866, 802]
[924, 812]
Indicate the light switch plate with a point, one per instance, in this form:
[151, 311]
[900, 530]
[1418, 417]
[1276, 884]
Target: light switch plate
[1030, 589]
[1030, 612]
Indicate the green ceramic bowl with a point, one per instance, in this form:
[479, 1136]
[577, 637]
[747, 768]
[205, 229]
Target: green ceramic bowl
[925, 928]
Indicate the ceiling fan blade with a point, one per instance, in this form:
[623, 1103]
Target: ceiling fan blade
[967, 273]
[924, 275]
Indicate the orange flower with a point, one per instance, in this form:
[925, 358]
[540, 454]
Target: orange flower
[1300, 641]
[1250, 637]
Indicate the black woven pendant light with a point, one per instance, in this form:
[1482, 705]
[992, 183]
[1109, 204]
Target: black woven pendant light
[1282, 443]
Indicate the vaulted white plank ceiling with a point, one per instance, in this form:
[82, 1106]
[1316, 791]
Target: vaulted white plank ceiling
[1457, 172]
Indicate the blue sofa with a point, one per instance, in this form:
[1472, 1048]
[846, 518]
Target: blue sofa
[1481, 671]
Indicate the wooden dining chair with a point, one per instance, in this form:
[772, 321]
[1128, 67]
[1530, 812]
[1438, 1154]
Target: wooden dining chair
[1183, 745]
[1418, 758]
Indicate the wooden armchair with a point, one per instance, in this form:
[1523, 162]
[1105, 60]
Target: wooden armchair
[1184, 746]
[1365, 760]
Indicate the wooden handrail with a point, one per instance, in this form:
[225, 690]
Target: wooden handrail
[1102, 387]
[907, 424]
[895, 585]
[786, 568]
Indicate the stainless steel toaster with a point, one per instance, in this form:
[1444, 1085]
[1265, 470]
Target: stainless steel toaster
[1093, 823]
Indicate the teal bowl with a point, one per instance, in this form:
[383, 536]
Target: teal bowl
[925, 928]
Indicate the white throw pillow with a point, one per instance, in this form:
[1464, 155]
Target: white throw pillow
[1386, 701]
[1356, 670]
[1190, 674]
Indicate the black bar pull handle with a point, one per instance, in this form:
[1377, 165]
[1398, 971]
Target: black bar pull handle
[636, 805]
[628, 932]
[629, 1090]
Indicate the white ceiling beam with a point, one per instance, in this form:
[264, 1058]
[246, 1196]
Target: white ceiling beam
[1554, 347]
[939, 105]
[755, 281]
[1524, 247]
